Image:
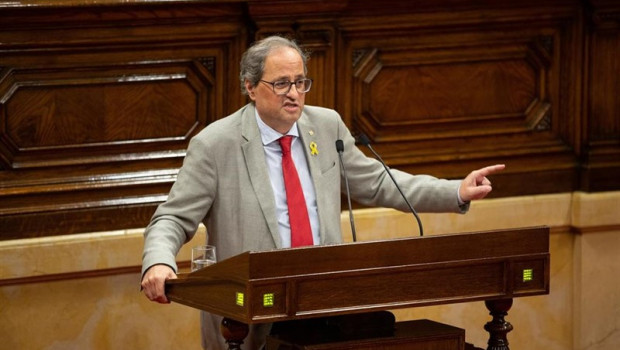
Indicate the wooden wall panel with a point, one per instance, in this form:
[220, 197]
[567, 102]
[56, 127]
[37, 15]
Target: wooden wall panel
[98, 102]
[601, 127]
[466, 91]
[402, 95]
[55, 111]
[98, 105]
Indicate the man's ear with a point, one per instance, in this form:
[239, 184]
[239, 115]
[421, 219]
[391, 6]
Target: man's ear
[250, 89]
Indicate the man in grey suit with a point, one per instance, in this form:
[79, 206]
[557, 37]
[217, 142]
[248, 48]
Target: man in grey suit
[232, 181]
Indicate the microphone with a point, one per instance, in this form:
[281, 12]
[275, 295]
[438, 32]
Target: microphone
[363, 139]
[340, 150]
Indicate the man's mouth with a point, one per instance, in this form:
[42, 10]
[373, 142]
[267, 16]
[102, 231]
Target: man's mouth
[290, 106]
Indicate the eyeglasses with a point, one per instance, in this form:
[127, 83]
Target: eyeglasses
[282, 87]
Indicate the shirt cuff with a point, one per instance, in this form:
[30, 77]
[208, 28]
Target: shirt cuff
[458, 196]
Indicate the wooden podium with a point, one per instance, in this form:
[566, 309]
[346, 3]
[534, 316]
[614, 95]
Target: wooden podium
[309, 282]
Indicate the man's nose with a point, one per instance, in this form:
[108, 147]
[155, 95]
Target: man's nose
[292, 92]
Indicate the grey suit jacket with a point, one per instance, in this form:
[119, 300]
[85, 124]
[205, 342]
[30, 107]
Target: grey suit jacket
[225, 184]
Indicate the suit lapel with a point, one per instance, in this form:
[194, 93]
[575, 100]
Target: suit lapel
[254, 155]
[309, 135]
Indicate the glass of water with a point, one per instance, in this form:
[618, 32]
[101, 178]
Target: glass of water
[203, 256]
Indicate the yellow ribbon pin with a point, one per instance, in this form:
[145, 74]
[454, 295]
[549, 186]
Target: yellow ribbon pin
[313, 150]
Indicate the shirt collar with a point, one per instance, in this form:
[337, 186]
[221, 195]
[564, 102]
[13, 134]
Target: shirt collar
[268, 134]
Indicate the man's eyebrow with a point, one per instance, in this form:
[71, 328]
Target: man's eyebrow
[280, 78]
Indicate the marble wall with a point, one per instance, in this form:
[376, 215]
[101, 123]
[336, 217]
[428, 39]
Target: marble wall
[82, 291]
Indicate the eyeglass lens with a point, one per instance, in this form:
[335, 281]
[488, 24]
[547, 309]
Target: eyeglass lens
[283, 87]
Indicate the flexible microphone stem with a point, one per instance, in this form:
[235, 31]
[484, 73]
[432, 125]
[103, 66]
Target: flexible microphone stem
[340, 149]
[366, 142]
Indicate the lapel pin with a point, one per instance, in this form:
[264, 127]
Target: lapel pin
[311, 132]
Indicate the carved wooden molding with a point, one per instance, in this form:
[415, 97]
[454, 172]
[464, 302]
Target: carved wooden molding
[70, 116]
[504, 86]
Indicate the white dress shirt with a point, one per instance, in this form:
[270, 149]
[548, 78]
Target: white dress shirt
[273, 155]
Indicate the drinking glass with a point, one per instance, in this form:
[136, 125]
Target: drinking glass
[203, 256]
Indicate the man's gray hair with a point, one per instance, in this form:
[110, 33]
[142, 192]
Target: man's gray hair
[253, 60]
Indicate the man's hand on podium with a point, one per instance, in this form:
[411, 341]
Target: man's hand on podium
[154, 282]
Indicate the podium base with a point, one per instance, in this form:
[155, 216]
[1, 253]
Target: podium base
[409, 335]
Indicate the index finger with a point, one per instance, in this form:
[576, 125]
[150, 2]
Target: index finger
[491, 169]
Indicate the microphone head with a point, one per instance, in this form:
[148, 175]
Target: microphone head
[363, 139]
[339, 146]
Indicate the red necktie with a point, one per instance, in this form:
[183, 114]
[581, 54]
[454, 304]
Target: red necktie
[301, 233]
